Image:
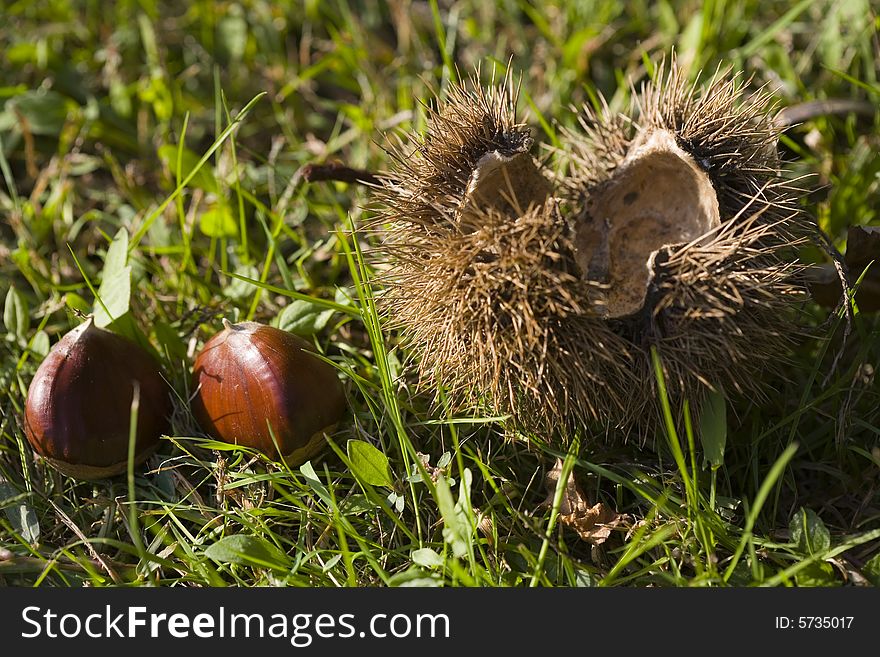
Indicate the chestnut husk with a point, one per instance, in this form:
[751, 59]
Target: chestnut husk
[250, 377]
[78, 409]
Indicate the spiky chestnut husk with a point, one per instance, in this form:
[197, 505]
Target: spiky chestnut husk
[433, 183]
[720, 305]
[447, 211]
[500, 316]
[510, 304]
[78, 409]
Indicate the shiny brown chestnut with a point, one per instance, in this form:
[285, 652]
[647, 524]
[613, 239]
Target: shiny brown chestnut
[253, 382]
[78, 409]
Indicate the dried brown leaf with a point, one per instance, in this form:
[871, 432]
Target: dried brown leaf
[593, 524]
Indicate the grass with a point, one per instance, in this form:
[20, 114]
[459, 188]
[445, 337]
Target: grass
[186, 130]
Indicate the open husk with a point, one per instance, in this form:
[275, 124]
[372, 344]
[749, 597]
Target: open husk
[540, 296]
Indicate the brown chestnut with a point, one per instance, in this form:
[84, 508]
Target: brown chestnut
[252, 382]
[78, 409]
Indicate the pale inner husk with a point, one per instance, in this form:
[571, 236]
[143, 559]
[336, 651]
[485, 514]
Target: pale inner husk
[659, 196]
[502, 182]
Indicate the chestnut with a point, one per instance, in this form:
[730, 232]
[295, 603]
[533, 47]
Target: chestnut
[253, 382]
[78, 409]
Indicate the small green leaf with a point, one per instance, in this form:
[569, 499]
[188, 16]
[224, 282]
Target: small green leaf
[304, 318]
[343, 297]
[455, 531]
[238, 289]
[415, 577]
[77, 303]
[713, 428]
[331, 563]
[356, 504]
[41, 112]
[368, 464]
[427, 558]
[396, 501]
[871, 570]
[416, 582]
[248, 551]
[203, 179]
[311, 477]
[117, 253]
[232, 34]
[218, 222]
[21, 515]
[169, 341]
[584, 578]
[40, 344]
[16, 316]
[817, 574]
[808, 532]
[115, 289]
[464, 490]
[115, 297]
[120, 97]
